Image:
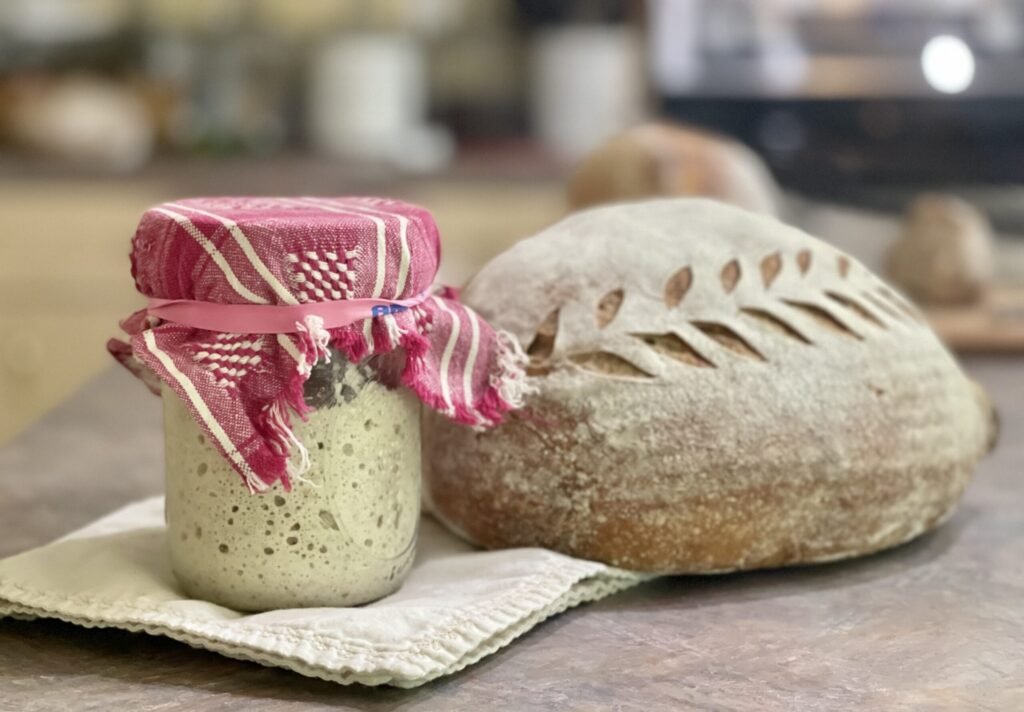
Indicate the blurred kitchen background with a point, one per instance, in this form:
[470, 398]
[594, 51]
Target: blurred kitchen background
[497, 115]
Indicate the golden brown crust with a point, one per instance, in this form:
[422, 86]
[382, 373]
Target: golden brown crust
[545, 479]
[748, 421]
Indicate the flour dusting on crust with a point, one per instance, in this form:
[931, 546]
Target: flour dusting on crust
[716, 391]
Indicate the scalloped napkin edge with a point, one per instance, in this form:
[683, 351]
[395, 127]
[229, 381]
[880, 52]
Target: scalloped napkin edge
[457, 606]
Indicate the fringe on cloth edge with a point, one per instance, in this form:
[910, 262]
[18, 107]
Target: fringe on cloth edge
[505, 392]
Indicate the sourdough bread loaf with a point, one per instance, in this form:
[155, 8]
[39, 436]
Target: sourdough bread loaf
[714, 391]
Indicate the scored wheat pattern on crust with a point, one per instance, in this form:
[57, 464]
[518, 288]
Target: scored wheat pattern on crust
[870, 310]
[900, 303]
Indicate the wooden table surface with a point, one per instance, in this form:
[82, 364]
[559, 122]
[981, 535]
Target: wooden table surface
[936, 624]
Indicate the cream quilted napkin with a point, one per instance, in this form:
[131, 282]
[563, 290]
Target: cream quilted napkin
[457, 606]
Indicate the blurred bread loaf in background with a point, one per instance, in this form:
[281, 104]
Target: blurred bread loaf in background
[659, 159]
[945, 252]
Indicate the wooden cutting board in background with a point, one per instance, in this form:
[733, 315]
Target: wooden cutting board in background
[995, 325]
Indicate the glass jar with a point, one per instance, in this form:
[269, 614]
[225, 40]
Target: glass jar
[344, 535]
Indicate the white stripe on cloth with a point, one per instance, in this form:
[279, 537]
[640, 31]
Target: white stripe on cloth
[394, 333]
[378, 285]
[446, 356]
[390, 323]
[403, 231]
[254, 259]
[251, 479]
[368, 335]
[214, 254]
[289, 346]
[403, 266]
[474, 344]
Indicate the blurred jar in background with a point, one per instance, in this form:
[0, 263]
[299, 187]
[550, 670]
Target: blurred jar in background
[80, 119]
[230, 73]
[368, 102]
[368, 90]
[588, 83]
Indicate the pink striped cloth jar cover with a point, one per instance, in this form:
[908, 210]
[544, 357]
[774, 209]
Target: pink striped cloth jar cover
[293, 340]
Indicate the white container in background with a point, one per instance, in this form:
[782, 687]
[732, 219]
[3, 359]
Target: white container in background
[368, 101]
[588, 83]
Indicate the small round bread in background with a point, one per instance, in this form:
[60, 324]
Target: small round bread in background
[714, 391]
[655, 160]
[945, 254]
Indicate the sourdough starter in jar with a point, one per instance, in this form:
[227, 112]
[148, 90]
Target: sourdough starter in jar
[345, 537]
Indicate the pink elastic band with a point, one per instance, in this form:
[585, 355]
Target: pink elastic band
[274, 318]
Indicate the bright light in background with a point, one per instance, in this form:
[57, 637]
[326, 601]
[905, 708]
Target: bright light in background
[948, 64]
